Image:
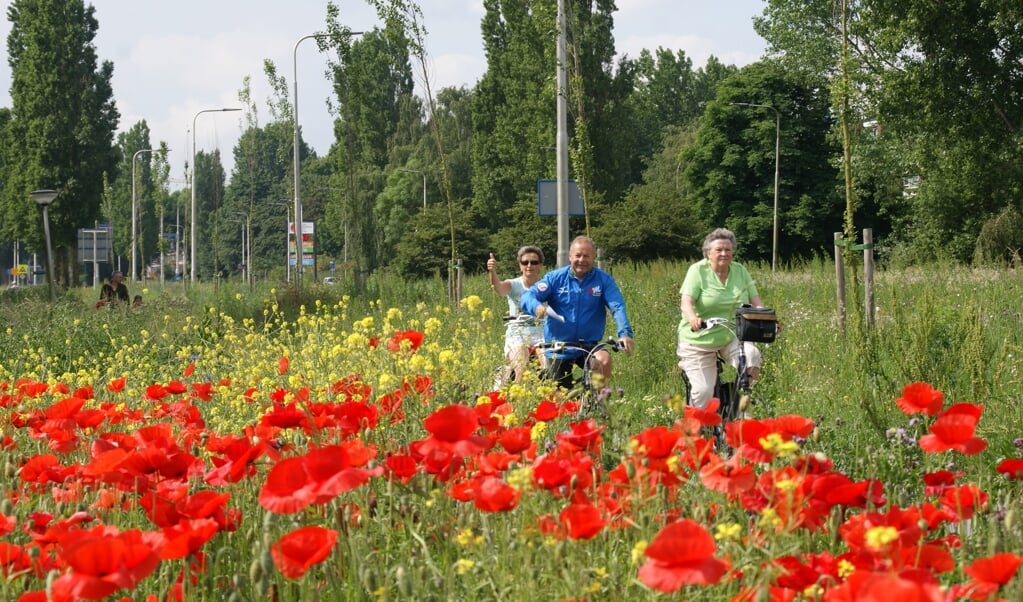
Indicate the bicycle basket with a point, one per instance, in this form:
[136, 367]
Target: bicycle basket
[756, 324]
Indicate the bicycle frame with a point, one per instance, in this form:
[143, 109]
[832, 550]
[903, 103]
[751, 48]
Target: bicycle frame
[535, 357]
[590, 397]
[729, 394]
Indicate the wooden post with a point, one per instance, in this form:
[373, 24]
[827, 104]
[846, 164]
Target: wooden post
[868, 275]
[458, 281]
[600, 259]
[840, 282]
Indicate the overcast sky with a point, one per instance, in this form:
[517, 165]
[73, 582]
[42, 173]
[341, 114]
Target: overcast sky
[173, 58]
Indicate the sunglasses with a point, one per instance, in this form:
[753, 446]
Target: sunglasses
[529, 262]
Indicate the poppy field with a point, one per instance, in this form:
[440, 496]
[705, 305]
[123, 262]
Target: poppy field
[344, 449]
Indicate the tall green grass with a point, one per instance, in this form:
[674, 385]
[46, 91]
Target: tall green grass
[957, 328]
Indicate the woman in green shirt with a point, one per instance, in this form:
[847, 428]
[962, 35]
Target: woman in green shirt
[714, 287]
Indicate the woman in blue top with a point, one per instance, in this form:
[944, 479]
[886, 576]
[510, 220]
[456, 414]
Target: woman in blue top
[714, 287]
[521, 334]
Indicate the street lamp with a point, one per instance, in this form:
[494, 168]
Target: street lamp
[297, 165]
[777, 148]
[43, 198]
[424, 181]
[191, 233]
[134, 209]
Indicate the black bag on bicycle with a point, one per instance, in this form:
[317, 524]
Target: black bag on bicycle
[756, 324]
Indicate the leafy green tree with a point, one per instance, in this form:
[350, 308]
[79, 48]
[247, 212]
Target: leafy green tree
[941, 88]
[730, 168]
[424, 250]
[656, 220]
[374, 88]
[118, 210]
[63, 119]
[209, 179]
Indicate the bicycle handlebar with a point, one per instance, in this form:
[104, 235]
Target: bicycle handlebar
[609, 343]
[712, 322]
[522, 319]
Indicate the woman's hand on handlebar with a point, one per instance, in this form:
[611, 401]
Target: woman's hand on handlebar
[696, 323]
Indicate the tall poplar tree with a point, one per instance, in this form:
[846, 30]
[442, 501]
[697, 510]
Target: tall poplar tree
[62, 125]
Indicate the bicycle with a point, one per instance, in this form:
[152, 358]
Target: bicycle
[734, 395]
[591, 400]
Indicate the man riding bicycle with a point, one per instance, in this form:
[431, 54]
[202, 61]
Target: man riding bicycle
[575, 300]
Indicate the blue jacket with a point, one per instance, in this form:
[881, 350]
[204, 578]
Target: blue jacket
[583, 305]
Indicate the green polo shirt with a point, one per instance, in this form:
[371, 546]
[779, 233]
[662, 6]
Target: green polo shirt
[715, 299]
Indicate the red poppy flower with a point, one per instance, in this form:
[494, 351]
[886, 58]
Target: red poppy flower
[452, 428]
[117, 385]
[491, 494]
[937, 481]
[584, 435]
[732, 476]
[681, 554]
[582, 520]
[963, 501]
[414, 338]
[296, 552]
[545, 411]
[189, 369]
[1011, 467]
[657, 442]
[176, 387]
[953, 430]
[402, 466]
[85, 392]
[31, 388]
[282, 365]
[156, 392]
[103, 561]
[990, 574]
[203, 391]
[316, 478]
[185, 537]
[867, 586]
[515, 440]
[694, 418]
[920, 397]
[13, 559]
[557, 474]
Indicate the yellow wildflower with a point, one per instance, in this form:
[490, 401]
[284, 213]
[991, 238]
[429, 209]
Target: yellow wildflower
[520, 478]
[878, 538]
[778, 446]
[727, 531]
[639, 551]
[471, 303]
[464, 565]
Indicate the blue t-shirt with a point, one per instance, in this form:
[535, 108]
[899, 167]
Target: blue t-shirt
[582, 303]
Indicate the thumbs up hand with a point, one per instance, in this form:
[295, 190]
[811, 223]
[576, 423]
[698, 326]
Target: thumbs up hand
[491, 263]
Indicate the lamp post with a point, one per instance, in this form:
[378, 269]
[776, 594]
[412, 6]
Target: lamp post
[777, 148]
[191, 231]
[43, 198]
[134, 209]
[424, 181]
[296, 158]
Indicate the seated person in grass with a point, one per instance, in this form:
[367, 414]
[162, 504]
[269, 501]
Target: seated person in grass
[113, 292]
